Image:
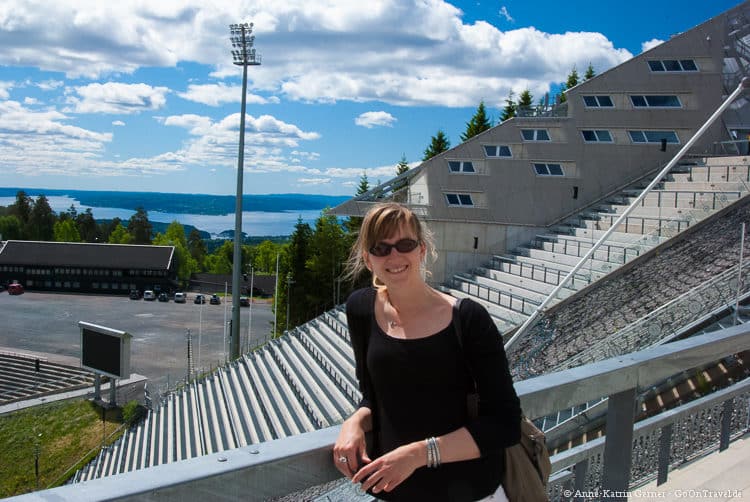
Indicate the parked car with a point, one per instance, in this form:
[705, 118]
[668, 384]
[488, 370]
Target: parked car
[149, 295]
[15, 289]
[135, 294]
[244, 301]
[163, 297]
[180, 297]
[215, 300]
[199, 299]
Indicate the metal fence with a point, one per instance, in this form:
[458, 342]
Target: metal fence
[627, 456]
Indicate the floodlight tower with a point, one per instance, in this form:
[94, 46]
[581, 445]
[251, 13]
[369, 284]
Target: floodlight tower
[244, 55]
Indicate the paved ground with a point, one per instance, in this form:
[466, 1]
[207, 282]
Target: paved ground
[48, 323]
[718, 477]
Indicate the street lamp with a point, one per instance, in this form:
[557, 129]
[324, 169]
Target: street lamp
[289, 282]
[244, 55]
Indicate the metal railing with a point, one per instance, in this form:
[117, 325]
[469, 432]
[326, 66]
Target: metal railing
[622, 459]
[665, 321]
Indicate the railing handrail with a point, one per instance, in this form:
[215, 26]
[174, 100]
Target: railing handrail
[276, 468]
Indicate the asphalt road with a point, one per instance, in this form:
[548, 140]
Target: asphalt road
[48, 322]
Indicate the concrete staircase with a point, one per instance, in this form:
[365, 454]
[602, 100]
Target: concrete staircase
[513, 285]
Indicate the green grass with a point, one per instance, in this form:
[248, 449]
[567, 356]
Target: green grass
[69, 431]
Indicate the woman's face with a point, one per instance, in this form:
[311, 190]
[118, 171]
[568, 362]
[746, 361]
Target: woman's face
[396, 267]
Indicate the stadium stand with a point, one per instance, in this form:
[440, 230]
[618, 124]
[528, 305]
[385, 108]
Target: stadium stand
[304, 380]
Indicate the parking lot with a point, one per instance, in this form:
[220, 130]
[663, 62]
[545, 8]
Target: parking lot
[48, 322]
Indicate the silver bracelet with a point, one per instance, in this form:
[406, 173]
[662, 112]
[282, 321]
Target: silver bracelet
[433, 453]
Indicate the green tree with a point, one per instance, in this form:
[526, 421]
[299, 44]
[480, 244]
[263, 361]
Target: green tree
[66, 231]
[509, 111]
[21, 209]
[400, 188]
[10, 228]
[265, 257]
[590, 73]
[139, 227]
[478, 123]
[295, 267]
[197, 247]
[41, 223]
[105, 229]
[119, 236]
[174, 235]
[87, 227]
[353, 223]
[571, 82]
[438, 144]
[525, 101]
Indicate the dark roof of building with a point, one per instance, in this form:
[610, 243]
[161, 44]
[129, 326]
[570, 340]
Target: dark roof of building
[75, 254]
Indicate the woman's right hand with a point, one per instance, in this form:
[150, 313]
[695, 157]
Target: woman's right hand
[351, 445]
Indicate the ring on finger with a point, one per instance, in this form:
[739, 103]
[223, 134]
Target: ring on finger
[343, 459]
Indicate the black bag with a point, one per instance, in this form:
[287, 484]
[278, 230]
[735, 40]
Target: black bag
[527, 464]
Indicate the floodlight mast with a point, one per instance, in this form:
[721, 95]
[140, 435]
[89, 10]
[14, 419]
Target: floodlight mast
[244, 55]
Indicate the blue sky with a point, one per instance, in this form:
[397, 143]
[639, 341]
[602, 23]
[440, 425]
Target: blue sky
[142, 96]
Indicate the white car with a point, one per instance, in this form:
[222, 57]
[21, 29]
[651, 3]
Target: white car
[180, 297]
[149, 295]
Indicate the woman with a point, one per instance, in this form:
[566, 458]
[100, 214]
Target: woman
[414, 377]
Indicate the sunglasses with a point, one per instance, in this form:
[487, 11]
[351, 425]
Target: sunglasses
[403, 246]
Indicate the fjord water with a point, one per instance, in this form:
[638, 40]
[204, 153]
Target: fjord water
[254, 223]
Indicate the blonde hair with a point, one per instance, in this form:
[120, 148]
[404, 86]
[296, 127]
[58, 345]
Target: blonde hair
[381, 222]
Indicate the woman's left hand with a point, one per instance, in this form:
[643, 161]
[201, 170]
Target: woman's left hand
[387, 472]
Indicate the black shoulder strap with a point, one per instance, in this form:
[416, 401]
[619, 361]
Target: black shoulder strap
[457, 322]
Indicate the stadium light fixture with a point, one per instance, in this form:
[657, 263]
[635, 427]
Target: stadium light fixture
[244, 55]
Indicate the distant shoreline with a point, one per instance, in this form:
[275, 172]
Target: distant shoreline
[203, 204]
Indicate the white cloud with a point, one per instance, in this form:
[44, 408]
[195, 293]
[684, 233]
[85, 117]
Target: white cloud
[4, 88]
[218, 94]
[266, 138]
[117, 98]
[504, 13]
[118, 123]
[650, 44]
[30, 101]
[313, 181]
[320, 51]
[373, 119]
[49, 85]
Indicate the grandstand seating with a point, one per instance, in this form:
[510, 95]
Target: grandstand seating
[19, 379]
[305, 380]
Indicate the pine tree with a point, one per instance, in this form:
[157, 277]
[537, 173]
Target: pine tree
[510, 107]
[402, 165]
[572, 79]
[590, 73]
[400, 188]
[87, 227]
[571, 82]
[438, 144]
[525, 100]
[41, 224]
[478, 123]
[139, 227]
[197, 247]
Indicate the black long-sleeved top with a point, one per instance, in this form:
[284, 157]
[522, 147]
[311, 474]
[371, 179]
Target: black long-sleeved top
[417, 388]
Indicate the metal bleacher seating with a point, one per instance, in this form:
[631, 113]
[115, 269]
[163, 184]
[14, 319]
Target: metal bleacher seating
[305, 379]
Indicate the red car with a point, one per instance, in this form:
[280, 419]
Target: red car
[15, 289]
